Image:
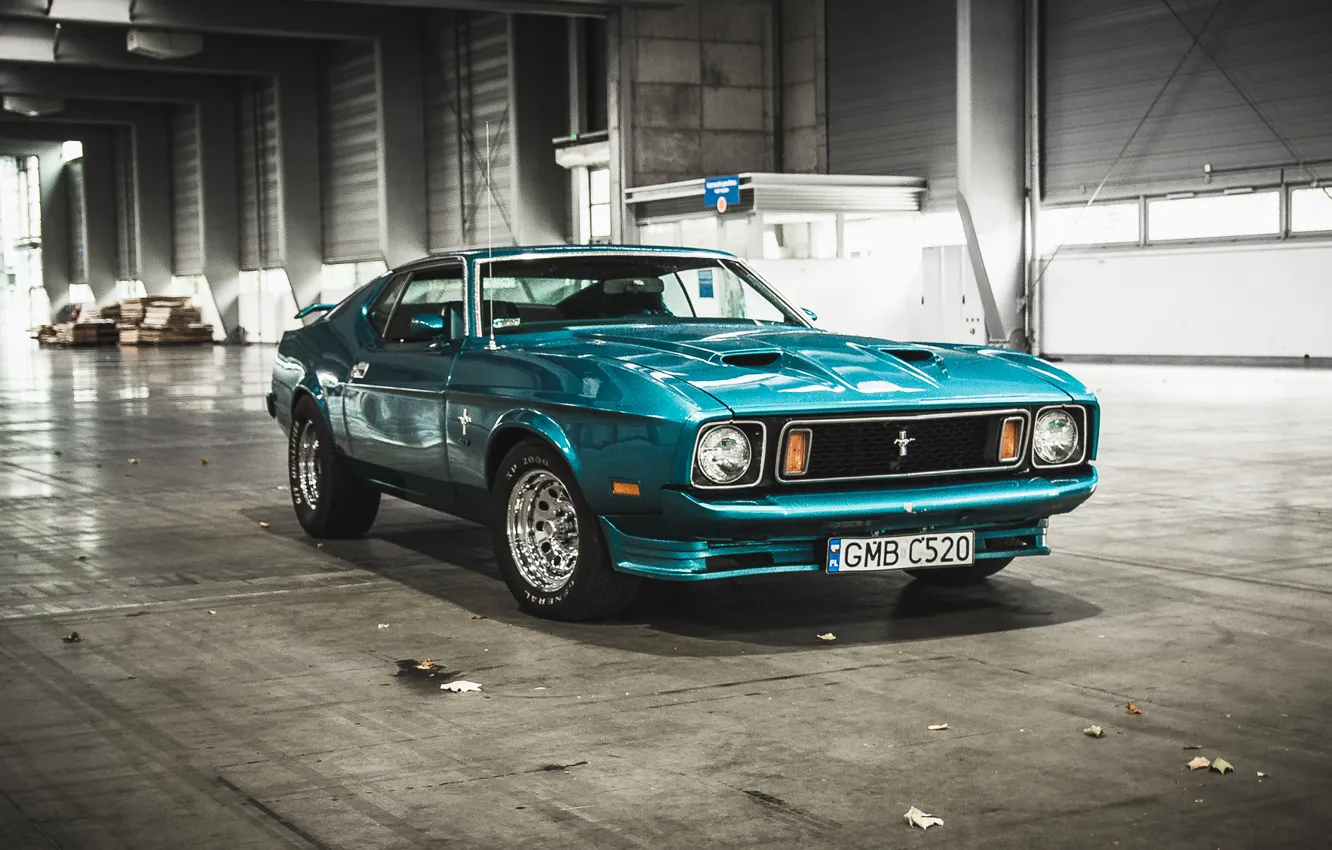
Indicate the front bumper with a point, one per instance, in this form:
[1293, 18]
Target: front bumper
[698, 537]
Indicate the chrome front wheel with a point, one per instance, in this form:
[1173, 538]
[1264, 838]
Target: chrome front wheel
[542, 526]
[308, 465]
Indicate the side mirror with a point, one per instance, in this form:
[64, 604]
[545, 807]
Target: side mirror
[427, 325]
[813, 317]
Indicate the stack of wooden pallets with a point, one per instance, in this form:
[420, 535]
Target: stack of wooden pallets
[110, 312]
[159, 320]
[97, 332]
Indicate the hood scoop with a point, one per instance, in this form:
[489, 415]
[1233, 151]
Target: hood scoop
[911, 355]
[751, 359]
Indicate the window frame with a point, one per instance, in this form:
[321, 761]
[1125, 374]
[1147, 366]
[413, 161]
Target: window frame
[739, 267]
[380, 294]
[428, 272]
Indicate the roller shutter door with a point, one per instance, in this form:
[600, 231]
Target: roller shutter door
[127, 207]
[186, 197]
[1104, 62]
[892, 91]
[349, 152]
[260, 208]
[78, 222]
[467, 86]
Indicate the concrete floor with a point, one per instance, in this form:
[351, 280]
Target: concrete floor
[232, 688]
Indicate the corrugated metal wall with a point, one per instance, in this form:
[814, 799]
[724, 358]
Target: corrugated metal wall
[127, 208]
[78, 222]
[349, 152]
[468, 86]
[186, 197]
[1104, 62]
[260, 199]
[892, 91]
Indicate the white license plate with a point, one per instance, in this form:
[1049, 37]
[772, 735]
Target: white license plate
[903, 552]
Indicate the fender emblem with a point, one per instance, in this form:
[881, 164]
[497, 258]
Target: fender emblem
[465, 420]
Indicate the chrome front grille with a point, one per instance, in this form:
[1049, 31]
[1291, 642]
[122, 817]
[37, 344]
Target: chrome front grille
[903, 445]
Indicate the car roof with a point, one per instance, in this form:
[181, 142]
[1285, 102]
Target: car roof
[509, 251]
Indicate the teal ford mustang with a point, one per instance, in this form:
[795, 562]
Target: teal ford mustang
[615, 413]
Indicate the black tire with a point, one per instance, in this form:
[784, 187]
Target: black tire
[593, 588]
[339, 505]
[953, 576]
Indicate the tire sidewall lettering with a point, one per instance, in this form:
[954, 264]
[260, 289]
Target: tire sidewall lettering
[536, 597]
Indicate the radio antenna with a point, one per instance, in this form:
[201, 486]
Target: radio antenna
[490, 242]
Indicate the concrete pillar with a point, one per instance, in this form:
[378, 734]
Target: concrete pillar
[100, 196]
[298, 180]
[152, 152]
[540, 112]
[221, 242]
[802, 98]
[403, 231]
[991, 156]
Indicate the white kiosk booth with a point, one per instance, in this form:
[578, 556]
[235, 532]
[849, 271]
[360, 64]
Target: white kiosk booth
[856, 250]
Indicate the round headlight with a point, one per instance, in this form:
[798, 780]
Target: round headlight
[724, 454]
[1055, 438]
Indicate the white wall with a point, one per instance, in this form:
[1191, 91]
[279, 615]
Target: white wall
[890, 293]
[1232, 301]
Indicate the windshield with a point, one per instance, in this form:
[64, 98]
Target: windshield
[551, 292]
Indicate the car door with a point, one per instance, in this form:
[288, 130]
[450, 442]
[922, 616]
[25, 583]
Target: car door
[395, 398]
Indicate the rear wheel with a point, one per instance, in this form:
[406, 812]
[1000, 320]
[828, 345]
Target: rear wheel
[329, 500]
[960, 575]
[548, 542]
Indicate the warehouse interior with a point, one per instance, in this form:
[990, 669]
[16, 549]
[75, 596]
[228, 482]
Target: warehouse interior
[1137, 191]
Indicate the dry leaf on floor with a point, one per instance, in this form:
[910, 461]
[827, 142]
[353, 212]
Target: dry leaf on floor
[1193, 746]
[461, 686]
[72, 637]
[1133, 709]
[134, 460]
[1199, 763]
[1222, 766]
[938, 727]
[264, 524]
[480, 617]
[427, 669]
[212, 612]
[915, 817]
[1094, 732]
[1262, 775]
[827, 636]
[203, 461]
[383, 625]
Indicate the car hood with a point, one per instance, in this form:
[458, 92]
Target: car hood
[758, 370]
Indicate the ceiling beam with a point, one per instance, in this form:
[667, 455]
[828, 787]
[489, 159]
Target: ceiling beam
[104, 47]
[597, 8]
[247, 17]
[93, 84]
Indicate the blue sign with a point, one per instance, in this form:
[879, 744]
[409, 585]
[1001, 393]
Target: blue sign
[705, 283]
[721, 192]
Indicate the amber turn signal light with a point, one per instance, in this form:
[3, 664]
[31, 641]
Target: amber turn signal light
[624, 488]
[797, 451]
[1010, 440]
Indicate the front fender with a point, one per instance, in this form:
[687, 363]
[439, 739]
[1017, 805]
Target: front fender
[529, 421]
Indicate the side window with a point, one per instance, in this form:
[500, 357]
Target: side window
[383, 307]
[436, 292]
